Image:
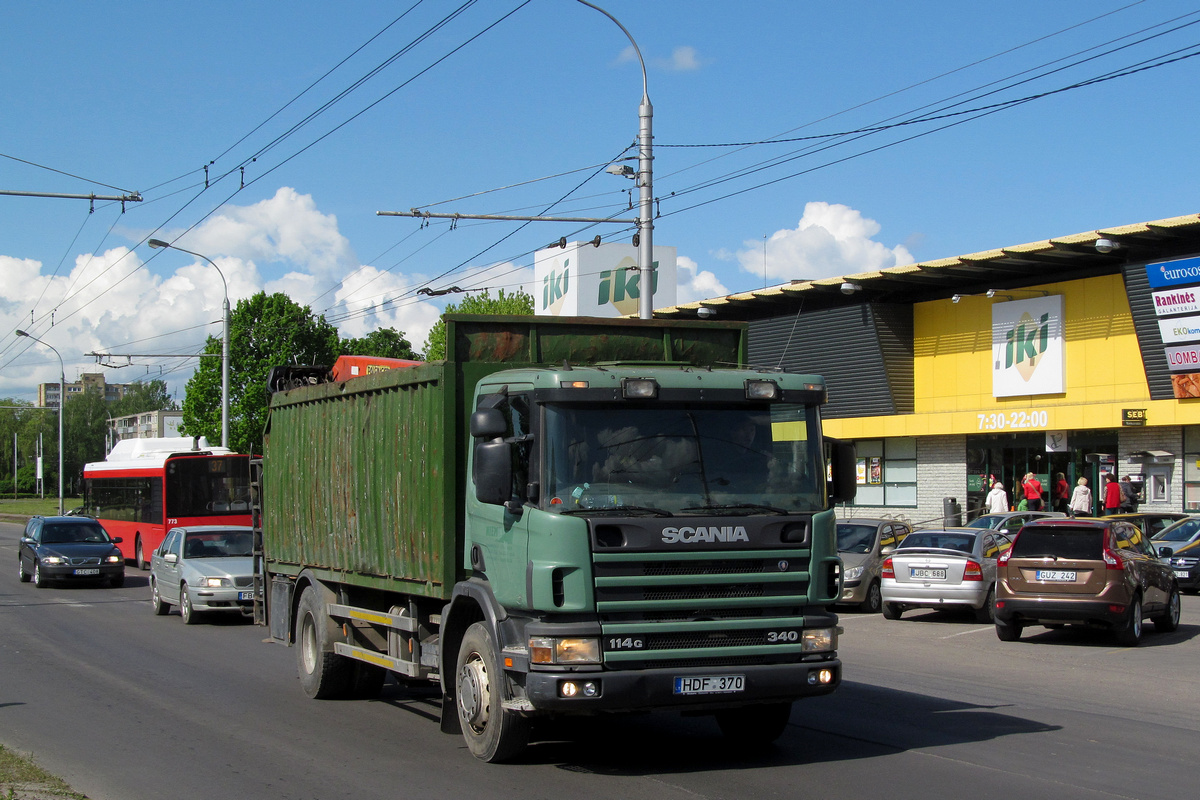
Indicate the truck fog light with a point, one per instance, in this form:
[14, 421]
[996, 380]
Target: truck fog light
[820, 677]
[818, 640]
[569, 688]
[577, 688]
[591, 689]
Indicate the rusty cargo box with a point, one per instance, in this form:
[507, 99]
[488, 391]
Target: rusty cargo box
[363, 479]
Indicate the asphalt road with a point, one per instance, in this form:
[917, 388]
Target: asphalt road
[125, 705]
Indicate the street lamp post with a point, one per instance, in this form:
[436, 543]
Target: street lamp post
[62, 401]
[645, 184]
[159, 243]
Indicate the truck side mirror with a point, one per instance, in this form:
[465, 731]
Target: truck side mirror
[492, 472]
[844, 471]
[488, 423]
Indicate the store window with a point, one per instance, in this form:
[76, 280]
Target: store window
[1191, 470]
[887, 472]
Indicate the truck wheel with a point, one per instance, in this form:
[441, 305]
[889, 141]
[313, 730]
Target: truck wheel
[366, 680]
[753, 726]
[323, 673]
[492, 733]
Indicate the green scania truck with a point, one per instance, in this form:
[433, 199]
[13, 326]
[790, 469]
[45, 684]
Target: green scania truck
[564, 517]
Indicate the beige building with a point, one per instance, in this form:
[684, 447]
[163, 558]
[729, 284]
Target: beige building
[88, 381]
[146, 425]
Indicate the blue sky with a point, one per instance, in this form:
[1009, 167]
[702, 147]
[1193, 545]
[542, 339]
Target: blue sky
[140, 96]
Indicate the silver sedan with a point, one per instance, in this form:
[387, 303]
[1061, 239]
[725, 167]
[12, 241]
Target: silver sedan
[201, 569]
[951, 568]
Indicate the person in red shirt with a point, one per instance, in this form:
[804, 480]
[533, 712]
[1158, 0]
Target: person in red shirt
[1062, 493]
[1112, 494]
[1033, 492]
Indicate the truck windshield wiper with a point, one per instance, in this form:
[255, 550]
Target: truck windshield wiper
[608, 511]
[749, 508]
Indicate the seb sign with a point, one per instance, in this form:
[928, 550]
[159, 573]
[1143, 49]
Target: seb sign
[583, 280]
[1028, 347]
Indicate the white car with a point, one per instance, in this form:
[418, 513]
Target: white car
[204, 568]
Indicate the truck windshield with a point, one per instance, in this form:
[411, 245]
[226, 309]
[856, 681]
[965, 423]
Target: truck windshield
[683, 460]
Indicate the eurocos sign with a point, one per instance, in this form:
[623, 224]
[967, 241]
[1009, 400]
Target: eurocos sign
[582, 280]
[1028, 348]
[1174, 273]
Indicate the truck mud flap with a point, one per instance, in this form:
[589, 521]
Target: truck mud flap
[280, 609]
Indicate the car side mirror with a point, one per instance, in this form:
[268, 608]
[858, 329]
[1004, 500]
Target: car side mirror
[1165, 552]
[170, 558]
[116, 540]
[887, 551]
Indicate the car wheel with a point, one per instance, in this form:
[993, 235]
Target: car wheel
[23, 574]
[1008, 631]
[492, 732]
[139, 557]
[1132, 632]
[190, 615]
[986, 612]
[39, 580]
[874, 601]
[1169, 620]
[892, 610]
[161, 607]
[754, 726]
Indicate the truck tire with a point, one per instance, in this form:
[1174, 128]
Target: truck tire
[754, 726]
[366, 680]
[324, 674]
[492, 733]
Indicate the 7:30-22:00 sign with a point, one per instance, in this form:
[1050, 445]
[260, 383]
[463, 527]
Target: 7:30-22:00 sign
[1014, 420]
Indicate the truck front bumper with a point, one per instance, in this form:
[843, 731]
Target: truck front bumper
[647, 689]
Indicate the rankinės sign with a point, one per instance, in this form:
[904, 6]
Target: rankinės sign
[1178, 293]
[1028, 348]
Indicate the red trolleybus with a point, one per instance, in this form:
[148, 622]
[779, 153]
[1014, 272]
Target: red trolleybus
[146, 486]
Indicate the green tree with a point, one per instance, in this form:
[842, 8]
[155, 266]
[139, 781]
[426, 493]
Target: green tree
[85, 426]
[517, 303]
[380, 343]
[143, 396]
[265, 331]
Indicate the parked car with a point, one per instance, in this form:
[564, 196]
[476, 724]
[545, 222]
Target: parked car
[1177, 535]
[1150, 522]
[1100, 572]
[1010, 522]
[955, 567]
[1185, 563]
[860, 541]
[69, 549]
[203, 568]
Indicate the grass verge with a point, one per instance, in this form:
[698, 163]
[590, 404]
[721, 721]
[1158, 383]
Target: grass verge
[30, 506]
[22, 779]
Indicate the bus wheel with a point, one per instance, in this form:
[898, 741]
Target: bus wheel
[492, 733]
[139, 557]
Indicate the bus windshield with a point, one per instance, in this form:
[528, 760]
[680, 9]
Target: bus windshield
[683, 460]
[207, 487]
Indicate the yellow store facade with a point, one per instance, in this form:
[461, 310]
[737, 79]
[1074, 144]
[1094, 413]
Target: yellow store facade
[1067, 358]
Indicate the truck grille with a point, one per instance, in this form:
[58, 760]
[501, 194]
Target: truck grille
[702, 608]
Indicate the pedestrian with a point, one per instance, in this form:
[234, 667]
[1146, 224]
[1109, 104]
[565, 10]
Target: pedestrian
[1112, 494]
[1062, 493]
[1033, 492]
[997, 499]
[1129, 495]
[1081, 499]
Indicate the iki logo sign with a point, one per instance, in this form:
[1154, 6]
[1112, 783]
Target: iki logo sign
[1028, 347]
[620, 286]
[555, 286]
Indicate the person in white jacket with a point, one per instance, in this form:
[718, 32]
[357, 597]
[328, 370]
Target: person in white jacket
[1081, 499]
[997, 499]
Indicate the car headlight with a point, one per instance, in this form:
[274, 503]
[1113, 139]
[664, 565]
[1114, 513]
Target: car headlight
[555, 650]
[820, 640]
[115, 558]
[854, 573]
[54, 559]
[215, 583]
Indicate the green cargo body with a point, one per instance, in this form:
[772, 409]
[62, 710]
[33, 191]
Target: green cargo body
[363, 480]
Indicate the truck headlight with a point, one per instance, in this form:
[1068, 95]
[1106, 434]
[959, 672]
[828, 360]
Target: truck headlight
[820, 640]
[556, 650]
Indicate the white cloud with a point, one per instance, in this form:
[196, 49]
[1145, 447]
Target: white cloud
[693, 283]
[830, 240]
[683, 59]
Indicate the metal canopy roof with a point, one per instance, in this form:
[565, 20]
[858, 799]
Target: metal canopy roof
[1049, 261]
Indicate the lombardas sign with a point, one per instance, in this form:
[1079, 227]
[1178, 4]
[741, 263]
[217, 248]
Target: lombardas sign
[1028, 349]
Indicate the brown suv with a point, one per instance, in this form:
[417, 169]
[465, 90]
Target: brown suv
[1095, 572]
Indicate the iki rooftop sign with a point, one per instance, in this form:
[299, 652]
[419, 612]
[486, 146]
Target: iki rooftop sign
[582, 280]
